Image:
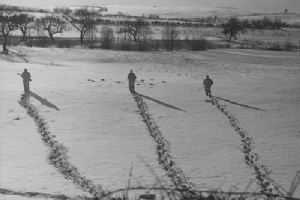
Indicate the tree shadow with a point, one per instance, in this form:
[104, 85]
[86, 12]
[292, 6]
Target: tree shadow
[43, 101]
[161, 103]
[242, 105]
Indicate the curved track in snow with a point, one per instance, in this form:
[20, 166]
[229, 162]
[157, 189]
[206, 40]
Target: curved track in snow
[175, 173]
[58, 152]
[266, 184]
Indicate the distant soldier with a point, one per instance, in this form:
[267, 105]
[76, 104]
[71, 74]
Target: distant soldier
[207, 85]
[131, 81]
[26, 78]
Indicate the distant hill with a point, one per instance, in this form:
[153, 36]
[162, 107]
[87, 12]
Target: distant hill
[177, 12]
[174, 11]
[23, 9]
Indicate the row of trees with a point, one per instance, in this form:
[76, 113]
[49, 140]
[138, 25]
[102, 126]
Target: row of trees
[139, 34]
[83, 20]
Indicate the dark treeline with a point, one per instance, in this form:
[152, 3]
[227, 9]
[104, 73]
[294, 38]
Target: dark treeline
[155, 23]
[107, 42]
[265, 23]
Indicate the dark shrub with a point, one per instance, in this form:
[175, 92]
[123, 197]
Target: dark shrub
[198, 44]
[107, 37]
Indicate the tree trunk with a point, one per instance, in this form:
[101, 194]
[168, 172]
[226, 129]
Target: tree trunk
[81, 38]
[51, 37]
[24, 36]
[5, 50]
[23, 30]
[172, 44]
[134, 34]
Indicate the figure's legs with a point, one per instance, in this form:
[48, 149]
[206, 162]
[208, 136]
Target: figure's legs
[26, 86]
[207, 92]
[130, 87]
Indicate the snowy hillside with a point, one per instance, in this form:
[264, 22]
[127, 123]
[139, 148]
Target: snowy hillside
[83, 97]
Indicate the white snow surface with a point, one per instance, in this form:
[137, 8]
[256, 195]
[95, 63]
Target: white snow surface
[84, 97]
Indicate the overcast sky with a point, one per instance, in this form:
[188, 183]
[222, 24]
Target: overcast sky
[276, 5]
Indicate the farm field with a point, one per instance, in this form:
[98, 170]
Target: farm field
[83, 96]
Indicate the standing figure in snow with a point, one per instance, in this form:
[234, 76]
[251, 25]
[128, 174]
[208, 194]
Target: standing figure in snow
[26, 78]
[131, 81]
[207, 85]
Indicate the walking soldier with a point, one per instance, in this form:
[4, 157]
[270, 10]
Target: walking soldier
[131, 81]
[207, 85]
[26, 78]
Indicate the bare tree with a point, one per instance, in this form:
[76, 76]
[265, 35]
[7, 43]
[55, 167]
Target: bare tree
[129, 29]
[169, 35]
[7, 24]
[138, 29]
[53, 25]
[82, 19]
[233, 28]
[23, 23]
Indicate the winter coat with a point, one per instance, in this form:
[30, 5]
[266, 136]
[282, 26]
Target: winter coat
[131, 77]
[207, 83]
[26, 76]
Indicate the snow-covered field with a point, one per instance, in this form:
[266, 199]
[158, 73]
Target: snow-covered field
[83, 96]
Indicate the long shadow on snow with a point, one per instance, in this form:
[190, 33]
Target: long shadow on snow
[235, 103]
[161, 103]
[39, 195]
[43, 101]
